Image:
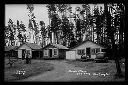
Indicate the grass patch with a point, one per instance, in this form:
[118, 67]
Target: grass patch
[81, 64]
[35, 68]
[92, 67]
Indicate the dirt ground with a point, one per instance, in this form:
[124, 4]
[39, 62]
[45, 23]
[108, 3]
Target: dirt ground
[68, 71]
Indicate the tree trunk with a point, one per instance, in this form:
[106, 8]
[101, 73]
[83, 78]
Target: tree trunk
[115, 54]
[42, 41]
[93, 33]
[118, 72]
[53, 37]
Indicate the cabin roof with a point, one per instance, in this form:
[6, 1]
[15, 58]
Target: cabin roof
[86, 42]
[59, 46]
[32, 46]
[9, 48]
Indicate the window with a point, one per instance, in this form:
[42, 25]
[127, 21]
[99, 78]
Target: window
[93, 52]
[103, 50]
[55, 51]
[80, 51]
[28, 51]
[45, 52]
[97, 50]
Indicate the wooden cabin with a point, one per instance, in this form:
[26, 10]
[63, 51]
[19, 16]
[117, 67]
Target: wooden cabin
[85, 49]
[11, 51]
[34, 50]
[54, 51]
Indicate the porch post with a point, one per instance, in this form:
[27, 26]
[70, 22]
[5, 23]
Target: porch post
[100, 49]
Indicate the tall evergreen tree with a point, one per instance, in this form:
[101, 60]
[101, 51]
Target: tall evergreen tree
[55, 26]
[99, 24]
[87, 25]
[51, 14]
[21, 29]
[32, 23]
[111, 29]
[11, 31]
[62, 8]
[43, 32]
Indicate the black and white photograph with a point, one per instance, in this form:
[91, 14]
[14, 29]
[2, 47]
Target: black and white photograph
[64, 42]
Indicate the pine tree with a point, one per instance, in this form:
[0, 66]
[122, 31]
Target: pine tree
[43, 32]
[21, 29]
[111, 30]
[51, 13]
[33, 26]
[11, 30]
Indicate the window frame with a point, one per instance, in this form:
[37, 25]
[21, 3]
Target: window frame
[45, 52]
[96, 50]
[81, 51]
[93, 51]
[103, 50]
[54, 51]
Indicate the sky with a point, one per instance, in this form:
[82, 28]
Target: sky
[20, 12]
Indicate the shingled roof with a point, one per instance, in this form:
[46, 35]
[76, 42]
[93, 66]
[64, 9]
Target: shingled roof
[32, 46]
[9, 48]
[85, 42]
[59, 46]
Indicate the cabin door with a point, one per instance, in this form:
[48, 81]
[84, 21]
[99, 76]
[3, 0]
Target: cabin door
[88, 52]
[50, 52]
[23, 54]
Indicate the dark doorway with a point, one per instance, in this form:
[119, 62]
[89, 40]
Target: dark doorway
[41, 54]
[50, 52]
[23, 54]
[88, 52]
[35, 54]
